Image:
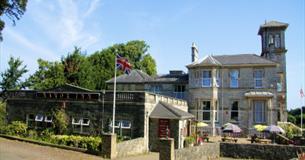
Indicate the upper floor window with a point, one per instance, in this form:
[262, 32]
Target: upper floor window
[206, 78]
[277, 41]
[258, 78]
[234, 111]
[155, 89]
[259, 112]
[234, 74]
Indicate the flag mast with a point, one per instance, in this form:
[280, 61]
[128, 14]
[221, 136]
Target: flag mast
[114, 94]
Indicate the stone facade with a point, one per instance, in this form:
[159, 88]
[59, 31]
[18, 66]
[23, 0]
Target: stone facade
[131, 147]
[241, 89]
[208, 151]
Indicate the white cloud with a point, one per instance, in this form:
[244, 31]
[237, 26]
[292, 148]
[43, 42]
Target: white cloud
[37, 49]
[67, 25]
[93, 6]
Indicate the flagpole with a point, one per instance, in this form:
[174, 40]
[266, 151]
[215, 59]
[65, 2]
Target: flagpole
[114, 95]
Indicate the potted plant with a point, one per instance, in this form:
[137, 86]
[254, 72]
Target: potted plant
[189, 141]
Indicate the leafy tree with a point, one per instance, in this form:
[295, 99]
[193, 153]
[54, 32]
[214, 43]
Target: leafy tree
[78, 70]
[135, 51]
[48, 75]
[148, 65]
[11, 78]
[13, 9]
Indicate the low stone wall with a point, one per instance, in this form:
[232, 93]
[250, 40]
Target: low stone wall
[131, 147]
[260, 151]
[207, 151]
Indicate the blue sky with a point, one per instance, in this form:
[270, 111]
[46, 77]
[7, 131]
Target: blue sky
[50, 29]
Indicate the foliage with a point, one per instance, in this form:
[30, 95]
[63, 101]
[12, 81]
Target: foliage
[32, 134]
[136, 53]
[13, 9]
[91, 71]
[78, 70]
[291, 119]
[17, 128]
[11, 78]
[90, 143]
[290, 130]
[2, 114]
[48, 75]
[61, 121]
[189, 140]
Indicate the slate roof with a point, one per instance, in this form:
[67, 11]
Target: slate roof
[135, 76]
[166, 111]
[258, 94]
[273, 24]
[238, 59]
[183, 78]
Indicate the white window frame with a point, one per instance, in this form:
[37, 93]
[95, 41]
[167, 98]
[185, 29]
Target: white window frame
[261, 112]
[28, 117]
[76, 123]
[48, 120]
[257, 79]
[85, 124]
[39, 118]
[205, 111]
[234, 79]
[207, 79]
[125, 127]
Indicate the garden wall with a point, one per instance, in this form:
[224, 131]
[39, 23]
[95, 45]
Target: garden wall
[207, 151]
[260, 151]
[131, 147]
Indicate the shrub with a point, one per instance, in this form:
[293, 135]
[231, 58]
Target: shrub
[89, 143]
[189, 140]
[32, 134]
[16, 128]
[61, 121]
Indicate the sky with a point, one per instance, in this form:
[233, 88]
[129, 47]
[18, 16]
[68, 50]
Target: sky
[50, 29]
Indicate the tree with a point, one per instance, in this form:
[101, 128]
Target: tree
[148, 65]
[13, 9]
[11, 78]
[48, 75]
[135, 51]
[78, 70]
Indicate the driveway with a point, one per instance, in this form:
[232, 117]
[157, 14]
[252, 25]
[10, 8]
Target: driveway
[16, 150]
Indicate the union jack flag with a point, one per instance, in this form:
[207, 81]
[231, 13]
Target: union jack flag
[123, 64]
[301, 93]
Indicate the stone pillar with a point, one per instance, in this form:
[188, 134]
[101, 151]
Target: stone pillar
[166, 149]
[109, 146]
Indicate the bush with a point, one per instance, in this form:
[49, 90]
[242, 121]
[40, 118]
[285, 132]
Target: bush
[189, 140]
[16, 128]
[61, 121]
[89, 143]
[32, 134]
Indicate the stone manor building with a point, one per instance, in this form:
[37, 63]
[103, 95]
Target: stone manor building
[245, 89]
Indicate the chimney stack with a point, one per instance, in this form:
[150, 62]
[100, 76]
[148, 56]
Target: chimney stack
[195, 55]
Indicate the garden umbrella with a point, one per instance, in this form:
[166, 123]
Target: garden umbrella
[229, 127]
[274, 129]
[260, 127]
[201, 124]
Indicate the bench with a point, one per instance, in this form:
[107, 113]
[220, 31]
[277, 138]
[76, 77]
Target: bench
[260, 140]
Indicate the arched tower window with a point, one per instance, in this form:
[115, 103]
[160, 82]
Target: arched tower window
[277, 41]
[271, 39]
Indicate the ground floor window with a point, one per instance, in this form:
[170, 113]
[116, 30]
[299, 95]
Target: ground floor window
[206, 110]
[259, 111]
[80, 124]
[122, 128]
[234, 111]
[39, 121]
